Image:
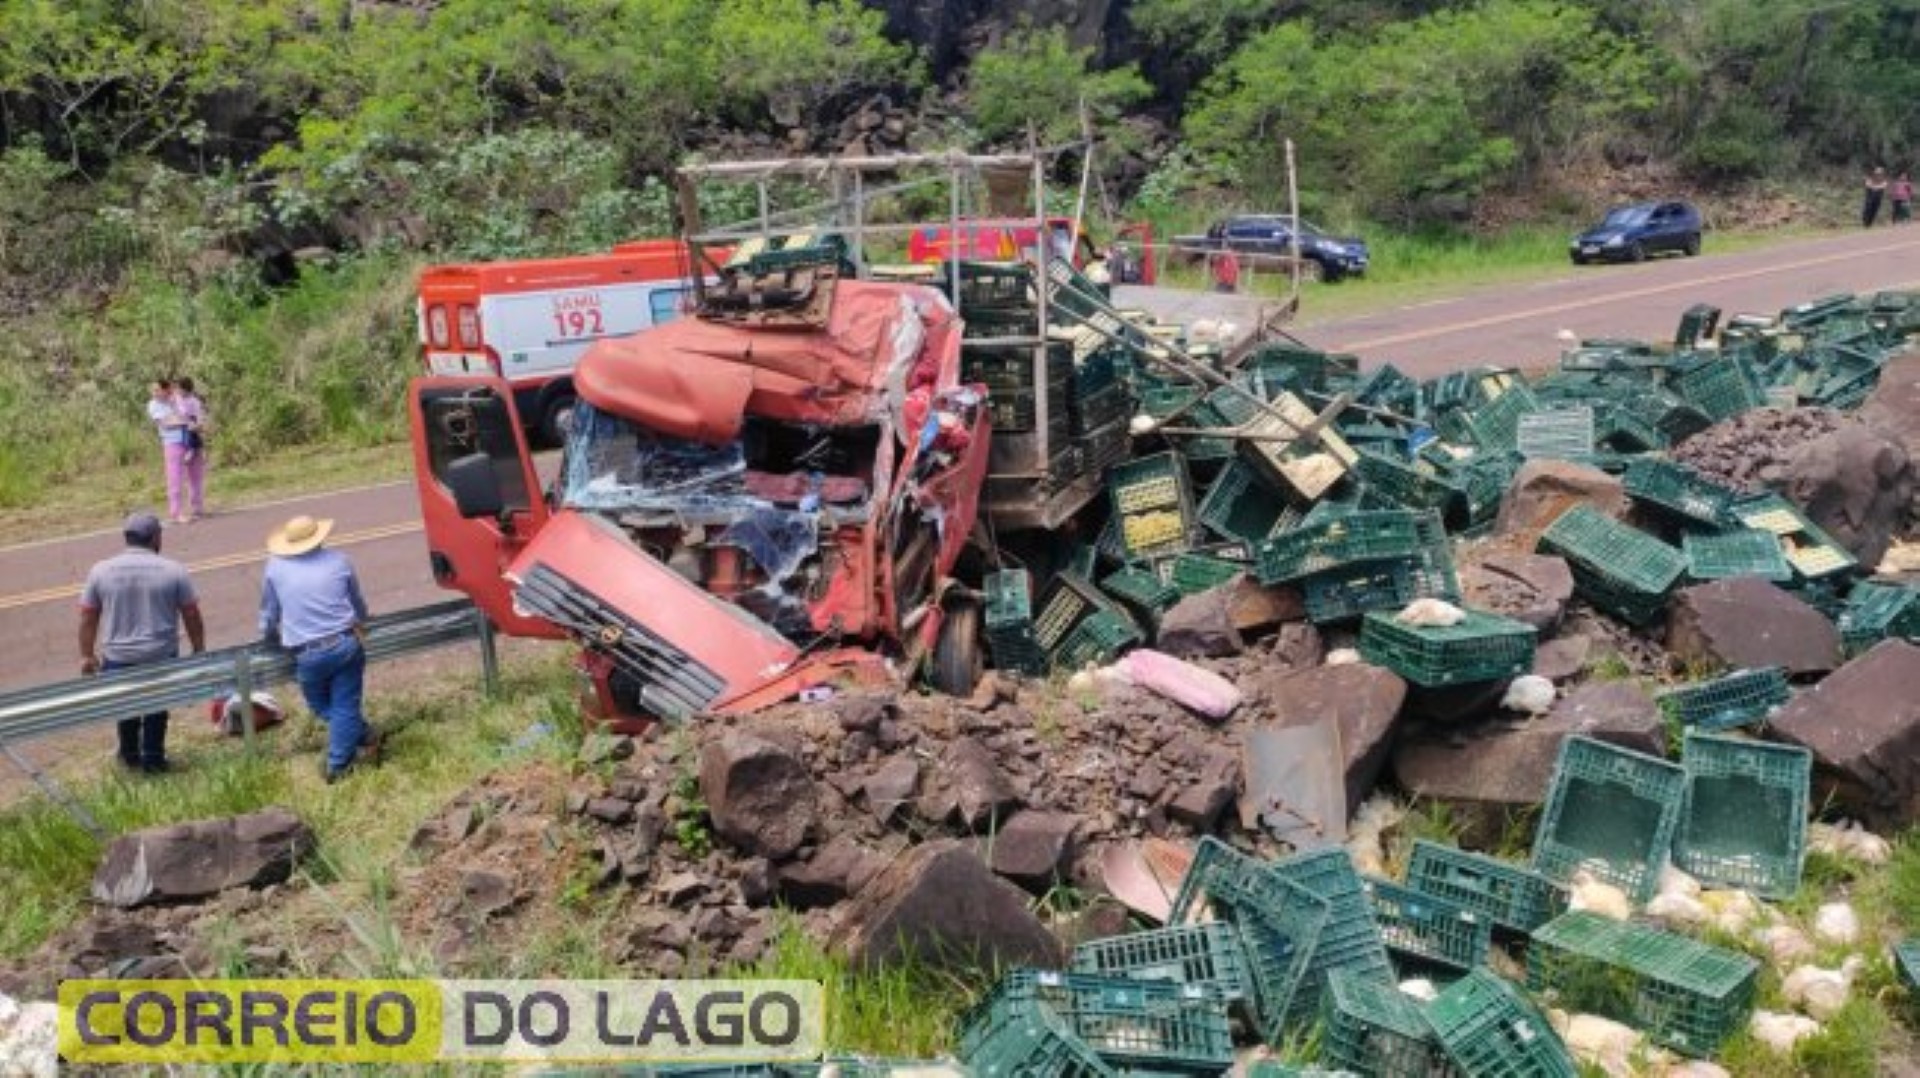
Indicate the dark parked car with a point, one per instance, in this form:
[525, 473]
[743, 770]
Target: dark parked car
[1269, 234]
[1634, 232]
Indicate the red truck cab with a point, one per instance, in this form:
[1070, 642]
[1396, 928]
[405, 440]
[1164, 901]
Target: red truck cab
[748, 504]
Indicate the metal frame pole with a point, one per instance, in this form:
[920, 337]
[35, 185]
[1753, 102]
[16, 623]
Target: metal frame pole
[489, 652]
[1043, 282]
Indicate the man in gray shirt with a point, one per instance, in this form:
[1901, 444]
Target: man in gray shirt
[130, 614]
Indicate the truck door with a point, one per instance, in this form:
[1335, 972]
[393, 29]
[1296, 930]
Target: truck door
[480, 499]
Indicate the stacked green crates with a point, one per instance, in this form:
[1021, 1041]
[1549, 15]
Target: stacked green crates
[1743, 823]
[1351, 940]
[1489, 1030]
[1876, 612]
[1009, 624]
[1619, 569]
[1496, 424]
[1480, 647]
[1242, 506]
[1279, 922]
[1004, 1036]
[1344, 594]
[1142, 591]
[1204, 956]
[1679, 491]
[1426, 930]
[1812, 553]
[1737, 699]
[1096, 640]
[1153, 503]
[1370, 1027]
[1512, 897]
[1195, 572]
[1906, 962]
[1337, 543]
[1611, 811]
[1721, 387]
[1684, 994]
[1417, 485]
[1738, 552]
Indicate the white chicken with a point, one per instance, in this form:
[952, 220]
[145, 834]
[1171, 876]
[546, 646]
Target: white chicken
[1530, 693]
[1589, 893]
[1836, 922]
[1786, 945]
[1822, 992]
[1781, 1032]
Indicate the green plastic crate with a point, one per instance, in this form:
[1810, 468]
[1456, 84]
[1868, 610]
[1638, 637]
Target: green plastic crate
[1345, 594]
[1242, 506]
[1813, 553]
[1618, 568]
[1512, 897]
[1006, 1034]
[1164, 401]
[1612, 811]
[1374, 1028]
[1142, 590]
[1736, 699]
[1876, 612]
[1097, 638]
[1684, 994]
[1720, 388]
[1426, 929]
[1134, 1025]
[1906, 962]
[1409, 485]
[1009, 624]
[1743, 823]
[1489, 1030]
[1481, 647]
[1351, 940]
[1069, 600]
[1739, 552]
[1337, 543]
[1153, 501]
[1192, 573]
[1205, 956]
[1496, 424]
[1280, 924]
[1678, 490]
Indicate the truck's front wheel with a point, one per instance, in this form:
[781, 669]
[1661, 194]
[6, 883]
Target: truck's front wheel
[957, 659]
[556, 414]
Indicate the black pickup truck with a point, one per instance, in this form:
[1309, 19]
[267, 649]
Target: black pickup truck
[1269, 235]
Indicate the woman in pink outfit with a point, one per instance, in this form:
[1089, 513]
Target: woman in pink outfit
[164, 410]
[194, 411]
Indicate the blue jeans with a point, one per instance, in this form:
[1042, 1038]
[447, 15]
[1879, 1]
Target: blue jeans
[330, 679]
[143, 738]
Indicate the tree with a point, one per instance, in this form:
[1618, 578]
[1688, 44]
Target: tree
[1034, 76]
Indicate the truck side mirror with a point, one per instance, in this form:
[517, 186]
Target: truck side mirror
[475, 486]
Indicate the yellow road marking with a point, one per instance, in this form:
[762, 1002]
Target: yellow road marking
[1611, 297]
[224, 561]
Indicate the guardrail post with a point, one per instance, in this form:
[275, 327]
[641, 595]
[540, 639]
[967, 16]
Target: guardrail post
[489, 652]
[243, 684]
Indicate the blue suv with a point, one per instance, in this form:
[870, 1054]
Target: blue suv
[1323, 256]
[1631, 233]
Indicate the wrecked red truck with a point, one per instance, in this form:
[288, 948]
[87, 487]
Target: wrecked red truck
[751, 502]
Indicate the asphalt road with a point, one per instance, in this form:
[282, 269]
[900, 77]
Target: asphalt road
[1512, 325]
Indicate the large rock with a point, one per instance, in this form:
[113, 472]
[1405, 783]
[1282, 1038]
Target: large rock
[1364, 700]
[1746, 622]
[1201, 627]
[188, 861]
[1034, 848]
[1257, 607]
[759, 795]
[1894, 409]
[1863, 725]
[940, 904]
[1544, 489]
[1534, 588]
[1489, 771]
[971, 785]
[1856, 484]
[840, 869]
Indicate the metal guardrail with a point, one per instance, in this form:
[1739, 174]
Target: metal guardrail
[196, 679]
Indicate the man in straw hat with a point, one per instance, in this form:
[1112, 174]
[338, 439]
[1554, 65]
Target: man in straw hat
[131, 611]
[310, 596]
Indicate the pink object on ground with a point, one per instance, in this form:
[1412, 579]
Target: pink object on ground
[1185, 684]
[176, 454]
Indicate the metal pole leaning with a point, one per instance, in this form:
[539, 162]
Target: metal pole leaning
[489, 652]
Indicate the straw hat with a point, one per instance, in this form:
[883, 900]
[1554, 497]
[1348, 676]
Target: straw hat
[299, 535]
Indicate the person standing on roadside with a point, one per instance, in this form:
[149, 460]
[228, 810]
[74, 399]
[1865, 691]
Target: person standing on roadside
[194, 411]
[1900, 193]
[310, 604]
[164, 411]
[130, 613]
[1226, 271]
[1875, 191]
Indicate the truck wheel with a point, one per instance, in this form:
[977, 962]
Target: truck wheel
[957, 661]
[555, 416]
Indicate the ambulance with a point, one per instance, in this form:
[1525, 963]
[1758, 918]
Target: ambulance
[528, 321]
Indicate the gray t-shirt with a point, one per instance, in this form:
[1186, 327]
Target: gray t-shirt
[139, 595]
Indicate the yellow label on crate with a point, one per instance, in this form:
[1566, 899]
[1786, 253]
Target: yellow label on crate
[1777, 521]
[1815, 560]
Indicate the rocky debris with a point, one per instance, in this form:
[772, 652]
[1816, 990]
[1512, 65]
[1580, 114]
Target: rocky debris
[1488, 770]
[1854, 479]
[1746, 622]
[609, 809]
[1255, 607]
[1199, 806]
[838, 870]
[190, 861]
[1034, 848]
[29, 1039]
[969, 786]
[1364, 701]
[1534, 588]
[891, 787]
[1894, 409]
[605, 748]
[939, 903]
[864, 713]
[1297, 646]
[1544, 489]
[1863, 726]
[759, 794]
[1201, 627]
[1562, 659]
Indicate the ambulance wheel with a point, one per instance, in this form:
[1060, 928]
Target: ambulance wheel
[555, 416]
[957, 659]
